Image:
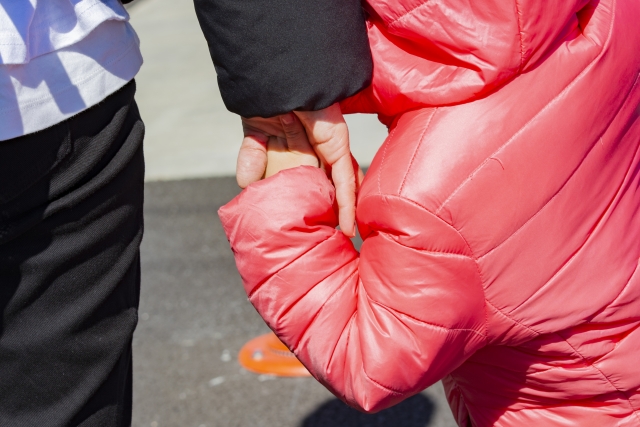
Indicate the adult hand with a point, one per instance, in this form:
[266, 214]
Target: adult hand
[252, 158]
[328, 134]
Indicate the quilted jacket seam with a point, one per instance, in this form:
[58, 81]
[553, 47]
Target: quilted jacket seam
[407, 14]
[384, 156]
[569, 178]
[519, 21]
[294, 303]
[415, 152]
[384, 387]
[333, 350]
[431, 324]
[424, 208]
[473, 257]
[381, 386]
[484, 294]
[626, 285]
[444, 253]
[262, 282]
[331, 297]
[544, 109]
[437, 327]
[484, 366]
[514, 320]
[568, 261]
[608, 380]
[573, 256]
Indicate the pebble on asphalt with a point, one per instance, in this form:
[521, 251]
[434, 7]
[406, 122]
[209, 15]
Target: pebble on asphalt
[213, 382]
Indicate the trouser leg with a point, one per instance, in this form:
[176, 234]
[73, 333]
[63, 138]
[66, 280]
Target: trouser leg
[70, 230]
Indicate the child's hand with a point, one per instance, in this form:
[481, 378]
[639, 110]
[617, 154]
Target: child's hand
[329, 137]
[289, 151]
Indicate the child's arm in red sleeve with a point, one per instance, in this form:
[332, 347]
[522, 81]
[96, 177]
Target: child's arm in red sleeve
[375, 327]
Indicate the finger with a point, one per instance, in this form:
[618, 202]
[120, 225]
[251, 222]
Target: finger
[329, 135]
[359, 173]
[331, 142]
[259, 125]
[295, 134]
[327, 132]
[252, 160]
[341, 167]
[344, 180]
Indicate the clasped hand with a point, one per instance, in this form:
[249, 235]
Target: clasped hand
[313, 138]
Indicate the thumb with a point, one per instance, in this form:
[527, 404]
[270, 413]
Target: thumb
[252, 160]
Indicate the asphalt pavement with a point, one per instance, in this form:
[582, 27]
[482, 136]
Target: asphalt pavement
[194, 315]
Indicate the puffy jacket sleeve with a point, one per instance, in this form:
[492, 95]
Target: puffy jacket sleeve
[276, 56]
[375, 327]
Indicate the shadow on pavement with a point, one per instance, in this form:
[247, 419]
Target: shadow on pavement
[413, 412]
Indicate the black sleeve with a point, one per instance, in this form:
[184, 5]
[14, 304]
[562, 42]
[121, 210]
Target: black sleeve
[275, 56]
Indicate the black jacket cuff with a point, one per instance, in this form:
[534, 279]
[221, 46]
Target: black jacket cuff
[276, 56]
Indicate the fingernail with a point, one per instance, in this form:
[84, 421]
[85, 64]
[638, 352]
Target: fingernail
[287, 119]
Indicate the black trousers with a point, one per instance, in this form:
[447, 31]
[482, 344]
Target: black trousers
[70, 230]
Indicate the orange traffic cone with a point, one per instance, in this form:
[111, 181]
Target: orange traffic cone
[266, 354]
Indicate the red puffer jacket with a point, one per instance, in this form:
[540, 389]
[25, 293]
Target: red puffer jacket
[501, 220]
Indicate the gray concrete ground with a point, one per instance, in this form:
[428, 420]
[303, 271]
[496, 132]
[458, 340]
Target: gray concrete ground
[194, 315]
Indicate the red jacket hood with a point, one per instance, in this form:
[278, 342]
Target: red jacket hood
[435, 53]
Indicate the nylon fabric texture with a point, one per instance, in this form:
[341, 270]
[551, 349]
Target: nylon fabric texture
[499, 218]
[283, 55]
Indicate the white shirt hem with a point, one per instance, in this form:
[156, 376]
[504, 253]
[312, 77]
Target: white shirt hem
[39, 109]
